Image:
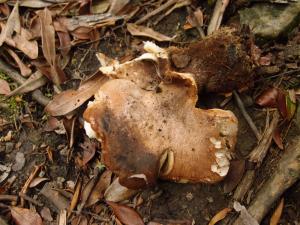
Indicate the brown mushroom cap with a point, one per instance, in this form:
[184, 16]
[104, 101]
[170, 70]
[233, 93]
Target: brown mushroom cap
[146, 120]
[136, 127]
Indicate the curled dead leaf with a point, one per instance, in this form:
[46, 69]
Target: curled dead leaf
[36, 181]
[219, 216]
[125, 214]
[277, 138]
[268, 98]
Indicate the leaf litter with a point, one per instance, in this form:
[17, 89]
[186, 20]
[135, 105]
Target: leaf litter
[50, 35]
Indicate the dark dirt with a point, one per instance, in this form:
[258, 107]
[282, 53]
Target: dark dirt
[198, 202]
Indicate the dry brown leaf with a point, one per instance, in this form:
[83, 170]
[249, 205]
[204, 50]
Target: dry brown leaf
[125, 214]
[82, 33]
[22, 216]
[4, 87]
[235, 174]
[76, 196]
[54, 124]
[89, 150]
[79, 220]
[277, 138]
[46, 214]
[33, 3]
[277, 213]
[69, 125]
[4, 9]
[268, 98]
[13, 24]
[219, 216]
[23, 41]
[48, 46]
[69, 100]
[100, 6]
[100, 188]
[48, 36]
[35, 81]
[138, 30]
[63, 36]
[24, 69]
[117, 5]
[36, 181]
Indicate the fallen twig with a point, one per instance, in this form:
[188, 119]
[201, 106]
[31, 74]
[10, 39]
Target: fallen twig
[156, 11]
[217, 16]
[286, 174]
[13, 74]
[12, 198]
[257, 155]
[246, 115]
[27, 183]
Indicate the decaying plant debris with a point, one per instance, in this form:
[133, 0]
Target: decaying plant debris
[145, 115]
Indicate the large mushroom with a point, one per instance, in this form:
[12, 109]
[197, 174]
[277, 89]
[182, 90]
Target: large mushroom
[146, 120]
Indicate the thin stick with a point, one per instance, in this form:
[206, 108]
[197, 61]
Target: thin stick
[156, 11]
[29, 199]
[246, 115]
[12, 198]
[257, 155]
[13, 74]
[27, 183]
[217, 16]
[286, 174]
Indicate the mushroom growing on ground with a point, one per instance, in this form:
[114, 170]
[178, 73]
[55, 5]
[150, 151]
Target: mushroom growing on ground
[145, 115]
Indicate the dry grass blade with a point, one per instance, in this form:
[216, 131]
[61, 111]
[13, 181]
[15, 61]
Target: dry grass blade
[34, 82]
[69, 100]
[219, 216]
[137, 30]
[13, 24]
[277, 213]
